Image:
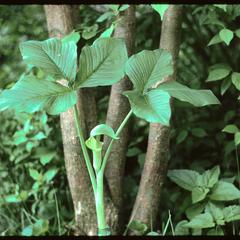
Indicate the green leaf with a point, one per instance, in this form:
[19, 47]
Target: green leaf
[199, 193]
[218, 72]
[90, 32]
[186, 179]
[39, 136]
[160, 8]
[138, 226]
[222, 6]
[147, 68]
[216, 39]
[236, 80]
[181, 136]
[198, 132]
[114, 7]
[231, 213]
[19, 137]
[50, 174]
[195, 209]
[108, 32]
[34, 174]
[218, 231]
[154, 106]
[226, 35]
[225, 85]
[103, 129]
[210, 177]
[12, 198]
[204, 220]
[197, 98]
[153, 234]
[237, 32]
[31, 94]
[102, 63]
[224, 191]
[237, 138]
[123, 7]
[231, 128]
[55, 57]
[216, 212]
[46, 158]
[180, 230]
[27, 231]
[105, 16]
[73, 36]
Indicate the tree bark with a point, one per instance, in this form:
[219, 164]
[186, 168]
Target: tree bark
[60, 23]
[146, 207]
[117, 111]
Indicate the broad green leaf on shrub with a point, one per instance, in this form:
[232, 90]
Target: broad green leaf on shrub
[31, 94]
[181, 136]
[73, 36]
[237, 32]
[123, 7]
[138, 226]
[231, 213]
[153, 106]
[195, 209]
[231, 128]
[216, 39]
[226, 35]
[222, 6]
[237, 138]
[147, 68]
[39, 136]
[108, 32]
[216, 212]
[46, 158]
[218, 231]
[40, 227]
[50, 174]
[12, 198]
[19, 137]
[102, 63]
[103, 129]
[198, 98]
[230, 180]
[198, 132]
[225, 85]
[114, 7]
[187, 179]
[180, 229]
[160, 8]
[236, 80]
[27, 231]
[90, 32]
[55, 57]
[199, 193]
[204, 220]
[105, 16]
[34, 174]
[224, 191]
[153, 234]
[210, 177]
[218, 72]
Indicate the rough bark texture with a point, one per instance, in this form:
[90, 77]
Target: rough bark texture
[146, 207]
[117, 111]
[60, 21]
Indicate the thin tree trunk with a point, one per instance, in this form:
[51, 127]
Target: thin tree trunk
[60, 23]
[146, 206]
[117, 111]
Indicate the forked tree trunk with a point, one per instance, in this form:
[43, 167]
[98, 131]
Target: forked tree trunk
[146, 206]
[117, 110]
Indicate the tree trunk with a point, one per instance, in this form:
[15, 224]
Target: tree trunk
[146, 206]
[60, 23]
[117, 111]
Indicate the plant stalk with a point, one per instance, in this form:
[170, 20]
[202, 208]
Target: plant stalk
[84, 149]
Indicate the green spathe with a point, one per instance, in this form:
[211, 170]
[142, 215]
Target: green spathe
[31, 94]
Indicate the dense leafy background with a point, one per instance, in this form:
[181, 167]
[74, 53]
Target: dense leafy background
[32, 169]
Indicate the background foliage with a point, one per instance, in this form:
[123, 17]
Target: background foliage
[35, 199]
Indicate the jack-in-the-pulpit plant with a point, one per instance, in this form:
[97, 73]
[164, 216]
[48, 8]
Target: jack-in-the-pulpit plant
[104, 63]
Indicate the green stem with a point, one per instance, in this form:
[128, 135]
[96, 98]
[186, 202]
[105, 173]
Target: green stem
[111, 143]
[84, 149]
